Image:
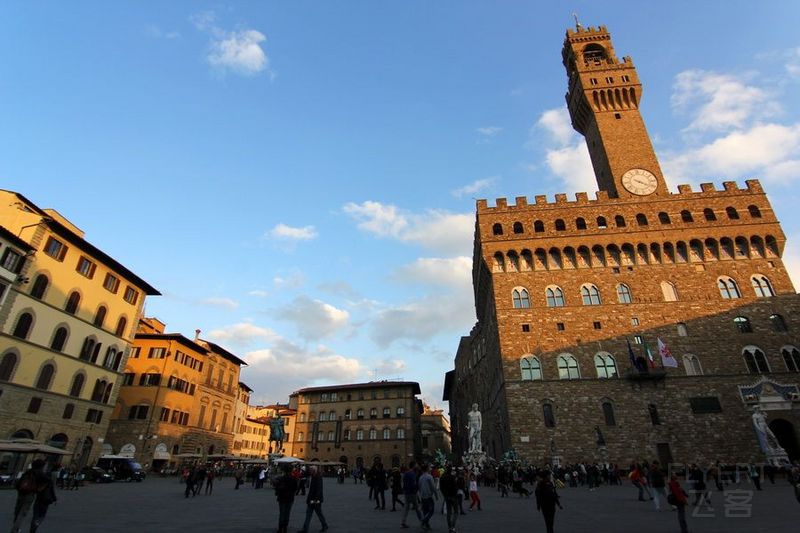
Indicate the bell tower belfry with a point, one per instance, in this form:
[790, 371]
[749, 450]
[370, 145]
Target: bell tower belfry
[603, 100]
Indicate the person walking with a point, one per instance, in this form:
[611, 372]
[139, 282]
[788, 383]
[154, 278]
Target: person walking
[410, 488]
[447, 484]
[27, 487]
[379, 486]
[397, 487]
[639, 481]
[210, 482]
[45, 496]
[461, 484]
[189, 479]
[679, 499]
[473, 493]
[285, 488]
[658, 483]
[427, 493]
[314, 500]
[546, 500]
[698, 484]
[239, 477]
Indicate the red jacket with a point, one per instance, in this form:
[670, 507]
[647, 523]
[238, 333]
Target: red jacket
[677, 491]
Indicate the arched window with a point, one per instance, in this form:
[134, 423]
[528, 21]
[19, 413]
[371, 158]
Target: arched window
[538, 226]
[348, 414]
[692, 365]
[45, 378]
[330, 436]
[791, 356]
[605, 365]
[778, 323]
[669, 292]
[549, 417]
[728, 288]
[641, 219]
[590, 295]
[59, 339]
[742, 323]
[555, 297]
[580, 223]
[320, 436]
[754, 211]
[560, 225]
[619, 221]
[499, 262]
[373, 434]
[23, 327]
[663, 218]
[601, 223]
[360, 414]
[624, 294]
[300, 436]
[39, 286]
[755, 360]
[100, 316]
[568, 367]
[520, 298]
[121, 325]
[530, 367]
[332, 416]
[497, 229]
[762, 286]
[401, 433]
[732, 213]
[7, 366]
[518, 227]
[77, 385]
[387, 433]
[72, 303]
[359, 434]
[608, 414]
[709, 214]
[323, 416]
[682, 330]
[686, 216]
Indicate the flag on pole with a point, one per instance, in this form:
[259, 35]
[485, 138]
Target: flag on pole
[650, 358]
[666, 356]
[632, 356]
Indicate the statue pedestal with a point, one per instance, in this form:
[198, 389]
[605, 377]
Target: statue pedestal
[777, 457]
[555, 460]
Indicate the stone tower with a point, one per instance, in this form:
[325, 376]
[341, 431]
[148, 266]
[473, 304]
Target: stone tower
[603, 99]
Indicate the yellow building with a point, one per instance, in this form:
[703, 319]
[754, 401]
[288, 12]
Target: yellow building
[67, 318]
[177, 399]
[435, 432]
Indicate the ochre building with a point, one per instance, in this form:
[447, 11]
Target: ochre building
[358, 423]
[562, 286]
[178, 399]
[68, 312]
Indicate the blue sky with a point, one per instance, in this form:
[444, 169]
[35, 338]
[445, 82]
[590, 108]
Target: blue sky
[298, 178]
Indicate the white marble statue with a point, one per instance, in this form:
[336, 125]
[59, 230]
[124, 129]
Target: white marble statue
[766, 438]
[475, 423]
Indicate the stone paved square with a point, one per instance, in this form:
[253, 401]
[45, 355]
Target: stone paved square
[158, 504]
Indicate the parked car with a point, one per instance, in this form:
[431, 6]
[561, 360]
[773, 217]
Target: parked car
[95, 474]
[122, 468]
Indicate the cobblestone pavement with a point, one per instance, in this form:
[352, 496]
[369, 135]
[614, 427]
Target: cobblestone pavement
[159, 505]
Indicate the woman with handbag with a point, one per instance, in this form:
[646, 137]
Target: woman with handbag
[678, 498]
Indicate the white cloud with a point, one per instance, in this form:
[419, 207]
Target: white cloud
[340, 288]
[292, 280]
[489, 131]
[314, 319]
[439, 272]
[241, 334]
[793, 65]
[282, 231]
[157, 33]
[424, 319]
[444, 232]
[566, 154]
[238, 51]
[388, 368]
[556, 123]
[474, 187]
[718, 101]
[769, 151]
[259, 293]
[227, 303]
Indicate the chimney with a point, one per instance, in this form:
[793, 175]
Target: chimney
[197, 335]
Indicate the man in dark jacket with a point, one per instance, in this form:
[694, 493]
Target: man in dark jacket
[447, 484]
[314, 500]
[285, 487]
[410, 489]
[29, 486]
[547, 499]
[379, 485]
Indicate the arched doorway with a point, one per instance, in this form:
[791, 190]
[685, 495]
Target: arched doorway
[59, 440]
[22, 434]
[787, 437]
[85, 451]
[343, 459]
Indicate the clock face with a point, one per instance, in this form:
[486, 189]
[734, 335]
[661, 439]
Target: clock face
[639, 181]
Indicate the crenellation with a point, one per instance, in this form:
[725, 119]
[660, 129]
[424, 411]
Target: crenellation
[730, 185]
[684, 189]
[707, 187]
[541, 199]
[601, 196]
[561, 198]
[754, 186]
[501, 203]
[582, 197]
[521, 201]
